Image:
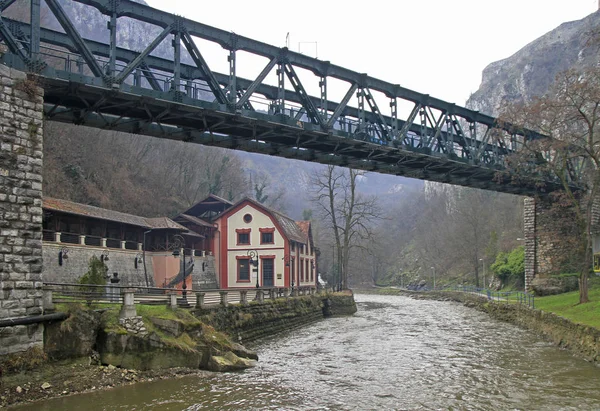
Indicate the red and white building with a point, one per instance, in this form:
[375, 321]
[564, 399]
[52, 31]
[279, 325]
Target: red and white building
[248, 230]
[220, 239]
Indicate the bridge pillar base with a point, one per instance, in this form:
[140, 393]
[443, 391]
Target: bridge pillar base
[549, 245]
[21, 140]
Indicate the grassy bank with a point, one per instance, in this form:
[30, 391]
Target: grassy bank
[567, 305]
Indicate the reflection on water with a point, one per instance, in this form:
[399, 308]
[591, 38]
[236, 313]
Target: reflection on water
[395, 353]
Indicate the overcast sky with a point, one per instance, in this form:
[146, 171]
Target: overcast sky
[436, 47]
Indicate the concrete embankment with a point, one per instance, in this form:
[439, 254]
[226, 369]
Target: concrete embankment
[583, 341]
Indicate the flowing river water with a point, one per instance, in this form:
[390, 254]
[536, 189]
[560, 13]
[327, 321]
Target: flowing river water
[396, 353]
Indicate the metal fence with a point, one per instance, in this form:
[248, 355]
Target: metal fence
[509, 297]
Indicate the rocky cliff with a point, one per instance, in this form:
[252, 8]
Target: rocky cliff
[530, 71]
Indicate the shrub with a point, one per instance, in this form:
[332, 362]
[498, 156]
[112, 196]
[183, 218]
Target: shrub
[96, 275]
[510, 267]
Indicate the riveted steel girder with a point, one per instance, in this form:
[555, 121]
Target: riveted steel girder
[431, 143]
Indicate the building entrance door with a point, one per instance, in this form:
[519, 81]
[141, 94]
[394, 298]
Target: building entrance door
[267, 272]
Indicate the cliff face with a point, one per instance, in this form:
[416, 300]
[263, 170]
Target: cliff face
[530, 71]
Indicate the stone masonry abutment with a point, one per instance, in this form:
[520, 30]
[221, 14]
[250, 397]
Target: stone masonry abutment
[21, 141]
[547, 246]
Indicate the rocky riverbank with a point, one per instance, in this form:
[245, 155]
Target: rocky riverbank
[583, 341]
[92, 350]
[56, 379]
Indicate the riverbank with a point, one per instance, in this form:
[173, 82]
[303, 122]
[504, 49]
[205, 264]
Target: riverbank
[582, 340]
[64, 378]
[42, 379]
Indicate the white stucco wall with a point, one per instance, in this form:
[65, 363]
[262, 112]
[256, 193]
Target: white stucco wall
[276, 250]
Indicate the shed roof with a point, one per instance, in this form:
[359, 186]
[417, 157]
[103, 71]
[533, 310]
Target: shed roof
[85, 210]
[195, 220]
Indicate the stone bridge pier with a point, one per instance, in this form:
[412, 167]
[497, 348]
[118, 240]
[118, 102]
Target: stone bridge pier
[548, 247]
[21, 141]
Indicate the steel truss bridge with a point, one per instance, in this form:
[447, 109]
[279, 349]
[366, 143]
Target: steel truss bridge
[99, 84]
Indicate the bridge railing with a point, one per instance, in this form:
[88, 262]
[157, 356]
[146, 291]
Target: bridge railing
[199, 90]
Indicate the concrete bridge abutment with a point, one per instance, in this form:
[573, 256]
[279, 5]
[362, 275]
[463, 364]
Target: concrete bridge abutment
[21, 142]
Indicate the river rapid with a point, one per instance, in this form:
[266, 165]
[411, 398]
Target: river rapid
[395, 353]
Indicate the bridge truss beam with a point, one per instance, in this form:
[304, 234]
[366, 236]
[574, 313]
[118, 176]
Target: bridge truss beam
[108, 85]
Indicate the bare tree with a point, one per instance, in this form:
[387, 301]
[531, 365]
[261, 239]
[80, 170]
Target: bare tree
[265, 191]
[569, 115]
[346, 213]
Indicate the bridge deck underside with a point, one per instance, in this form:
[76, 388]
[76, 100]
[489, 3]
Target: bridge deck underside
[204, 123]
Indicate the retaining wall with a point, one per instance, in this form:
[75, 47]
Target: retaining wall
[255, 320]
[77, 264]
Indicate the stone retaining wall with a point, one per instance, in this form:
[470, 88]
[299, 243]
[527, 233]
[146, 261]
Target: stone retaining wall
[77, 264]
[252, 321]
[337, 305]
[21, 142]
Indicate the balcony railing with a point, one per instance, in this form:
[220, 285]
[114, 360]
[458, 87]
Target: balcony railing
[90, 240]
[113, 243]
[95, 241]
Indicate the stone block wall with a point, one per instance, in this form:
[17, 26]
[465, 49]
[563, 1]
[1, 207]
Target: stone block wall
[204, 275]
[21, 143]
[246, 323]
[549, 242]
[529, 232]
[120, 261]
[77, 264]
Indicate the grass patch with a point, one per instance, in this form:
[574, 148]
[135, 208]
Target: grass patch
[110, 321]
[215, 338]
[567, 305]
[184, 342]
[166, 313]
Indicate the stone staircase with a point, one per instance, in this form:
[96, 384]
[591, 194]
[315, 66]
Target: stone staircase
[204, 275]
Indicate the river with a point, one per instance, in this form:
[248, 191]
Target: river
[396, 353]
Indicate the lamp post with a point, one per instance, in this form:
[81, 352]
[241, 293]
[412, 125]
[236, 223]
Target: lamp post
[483, 269]
[433, 268]
[178, 244]
[144, 258]
[289, 262]
[253, 254]
[104, 256]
